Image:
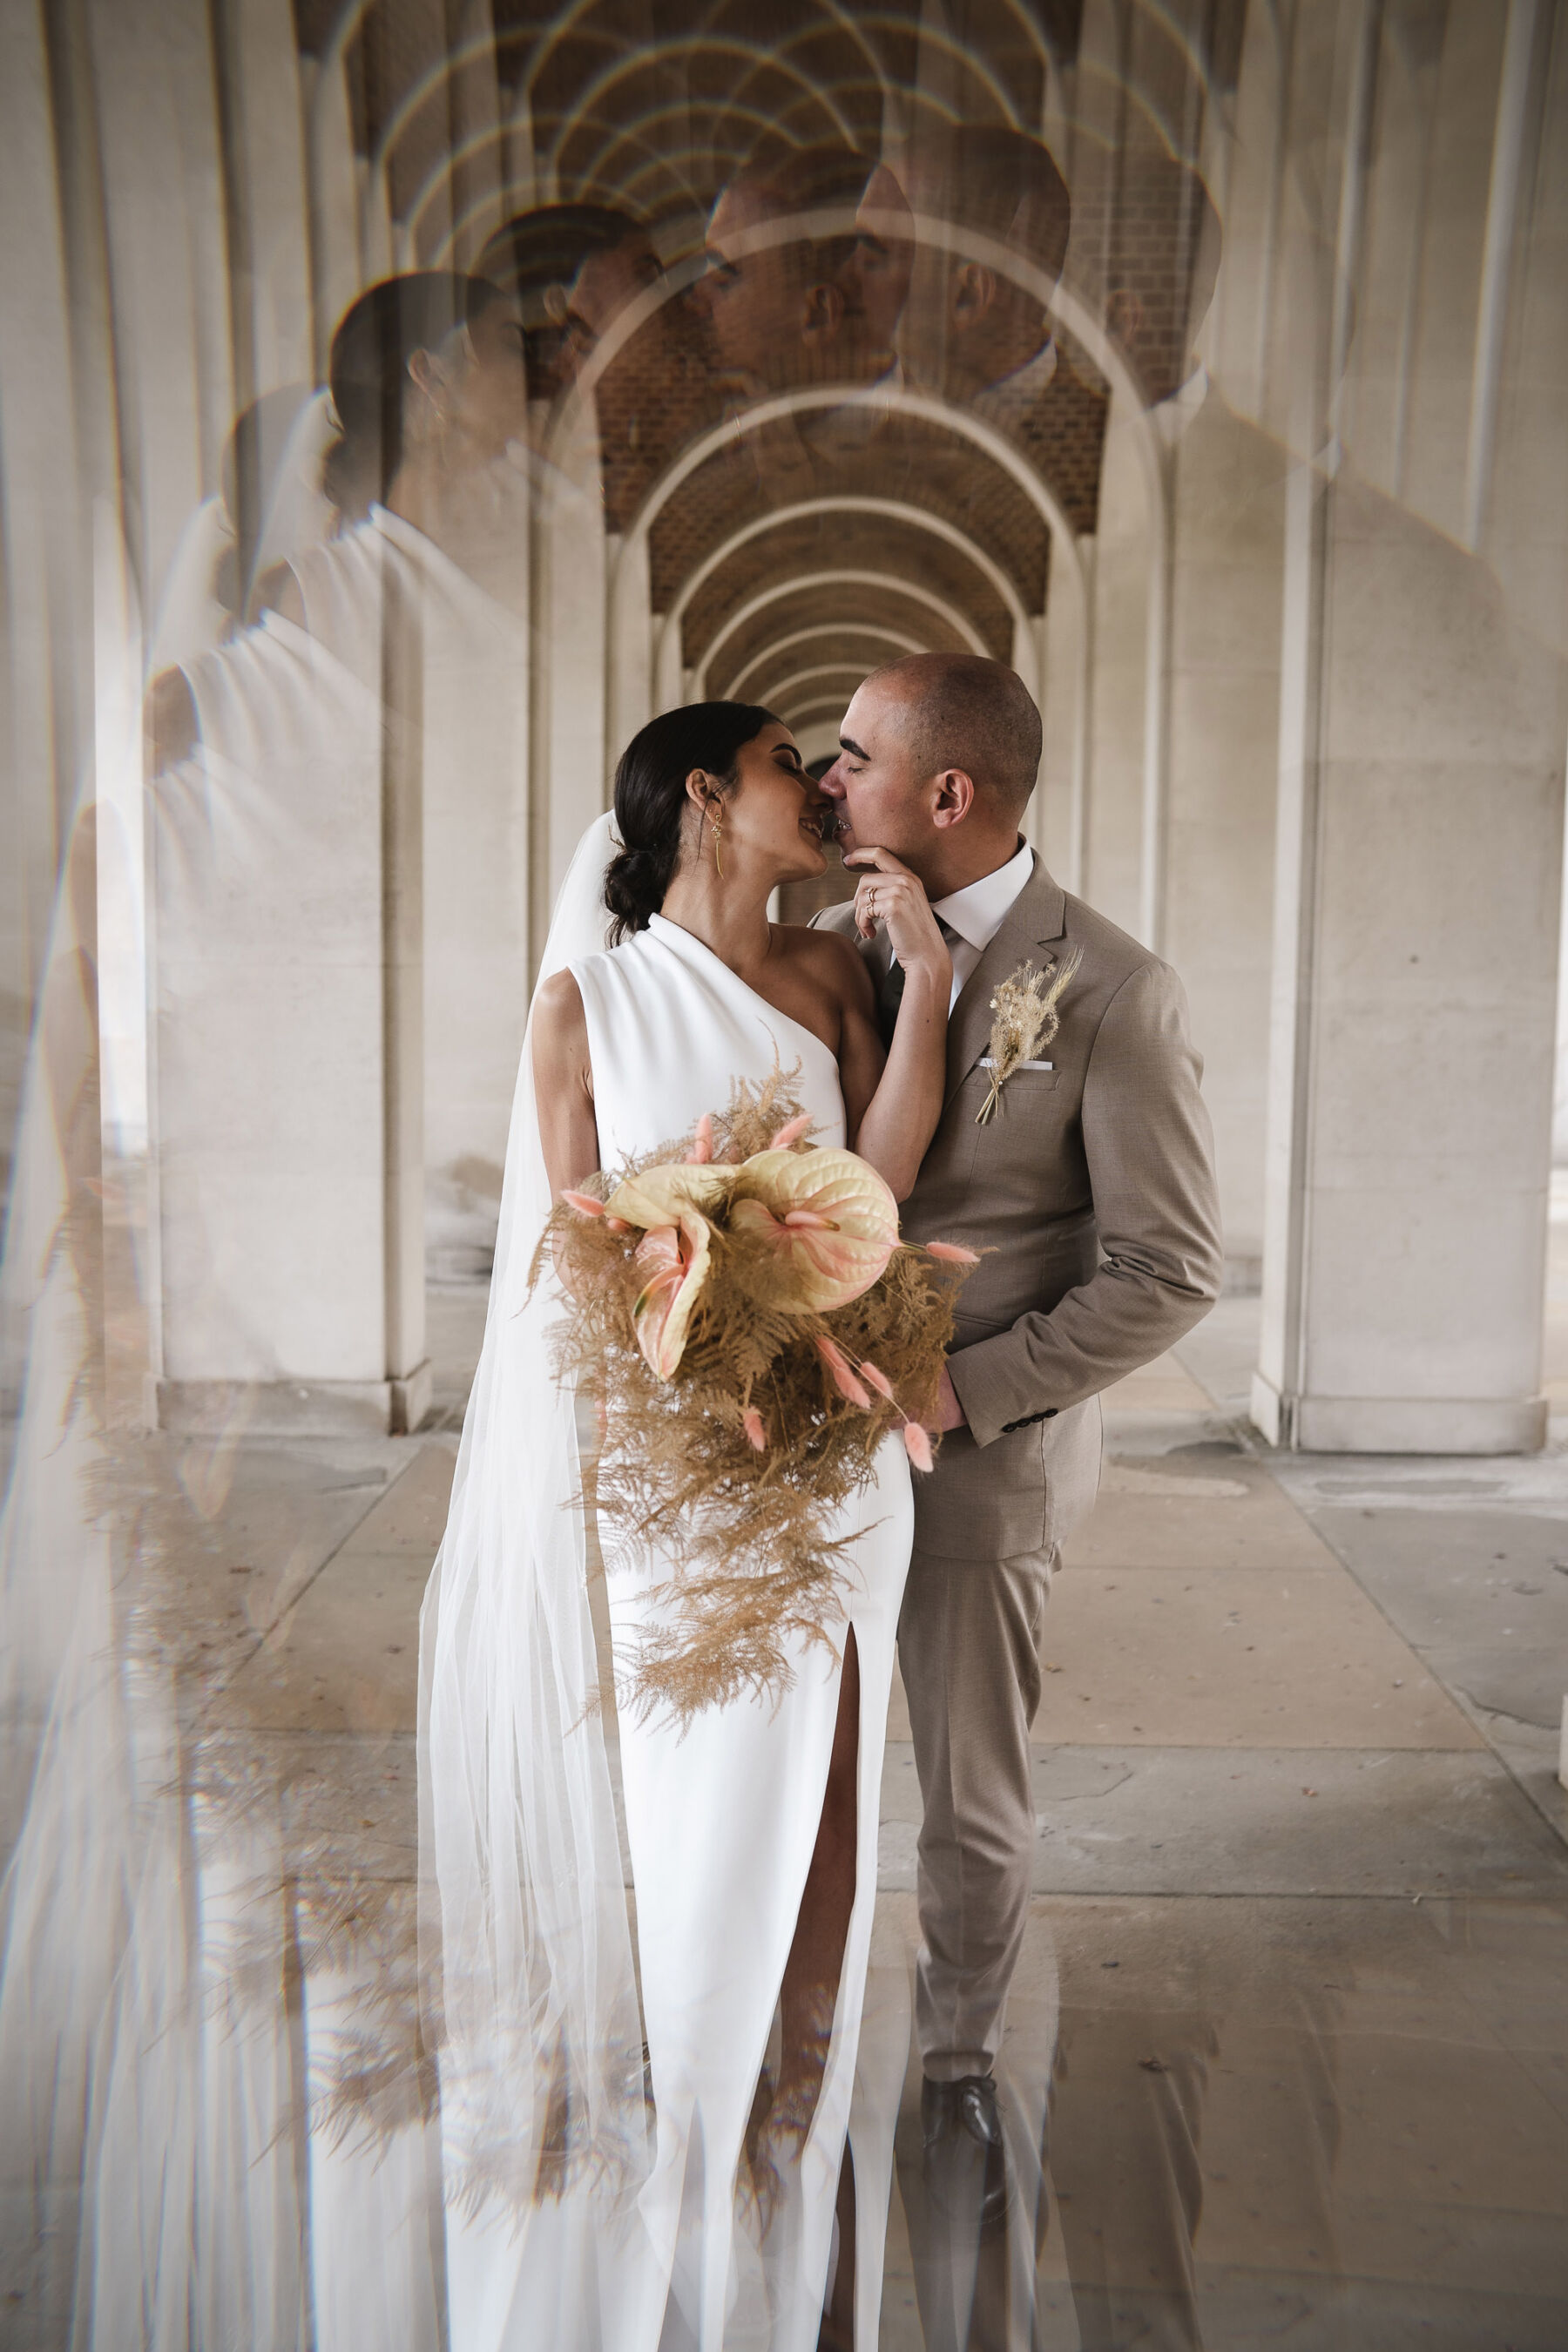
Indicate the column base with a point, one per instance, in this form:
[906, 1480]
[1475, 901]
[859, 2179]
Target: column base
[1308, 1424]
[297, 1408]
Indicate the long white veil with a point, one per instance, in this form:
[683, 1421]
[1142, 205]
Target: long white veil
[525, 1935]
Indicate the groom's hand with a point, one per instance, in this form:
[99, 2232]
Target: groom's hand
[888, 893]
[950, 1412]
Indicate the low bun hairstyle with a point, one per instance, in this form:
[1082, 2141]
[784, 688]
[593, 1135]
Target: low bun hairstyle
[369, 380]
[651, 802]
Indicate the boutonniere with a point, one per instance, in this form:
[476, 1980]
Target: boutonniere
[1024, 1006]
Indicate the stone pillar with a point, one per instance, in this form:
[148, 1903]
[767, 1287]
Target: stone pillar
[1114, 842]
[289, 1044]
[1227, 515]
[267, 212]
[630, 661]
[1414, 1003]
[1423, 718]
[332, 183]
[407, 1368]
[1065, 639]
[569, 781]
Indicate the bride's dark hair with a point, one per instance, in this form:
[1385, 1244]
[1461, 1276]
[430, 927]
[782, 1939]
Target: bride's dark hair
[651, 803]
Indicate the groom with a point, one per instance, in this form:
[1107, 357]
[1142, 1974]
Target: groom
[1091, 1191]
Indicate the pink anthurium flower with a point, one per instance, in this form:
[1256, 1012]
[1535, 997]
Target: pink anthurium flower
[701, 1150]
[675, 1259]
[828, 1213]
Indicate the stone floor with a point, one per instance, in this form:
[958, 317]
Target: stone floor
[1288, 2057]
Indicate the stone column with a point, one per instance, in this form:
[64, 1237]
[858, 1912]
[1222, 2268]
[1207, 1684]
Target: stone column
[1227, 515]
[569, 772]
[1414, 1003]
[267, 212]
[1114, 842]
[1422, 719]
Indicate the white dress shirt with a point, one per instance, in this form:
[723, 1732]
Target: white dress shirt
[977, 912]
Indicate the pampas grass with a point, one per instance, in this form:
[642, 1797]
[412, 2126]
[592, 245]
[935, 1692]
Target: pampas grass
[1026, 1018]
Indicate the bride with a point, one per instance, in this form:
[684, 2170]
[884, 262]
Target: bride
[752, 1830]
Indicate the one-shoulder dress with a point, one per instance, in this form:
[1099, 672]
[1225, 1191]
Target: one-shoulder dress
[722, 1814]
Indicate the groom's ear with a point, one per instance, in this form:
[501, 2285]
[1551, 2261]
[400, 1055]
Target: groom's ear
[972, 290]
[953, 798]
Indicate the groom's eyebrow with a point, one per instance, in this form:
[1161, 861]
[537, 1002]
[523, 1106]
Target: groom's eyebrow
[848, 743]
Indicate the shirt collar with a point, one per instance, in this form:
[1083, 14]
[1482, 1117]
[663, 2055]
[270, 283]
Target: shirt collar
[978, 911]
[1022, 388]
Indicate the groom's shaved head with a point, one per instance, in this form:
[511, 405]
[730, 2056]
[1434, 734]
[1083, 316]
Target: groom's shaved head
[959, 710]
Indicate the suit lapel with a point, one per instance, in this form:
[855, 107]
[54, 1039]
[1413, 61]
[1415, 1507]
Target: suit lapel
[1031, 930]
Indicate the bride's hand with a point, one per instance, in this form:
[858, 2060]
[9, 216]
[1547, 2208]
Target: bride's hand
[891, 894]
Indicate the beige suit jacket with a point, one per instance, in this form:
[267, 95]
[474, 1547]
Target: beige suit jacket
[1091, 1191]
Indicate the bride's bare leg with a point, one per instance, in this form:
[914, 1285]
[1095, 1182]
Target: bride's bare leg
[810, 1986]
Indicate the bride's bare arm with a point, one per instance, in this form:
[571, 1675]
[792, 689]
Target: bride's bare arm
[892, 1107]
[564, 1082]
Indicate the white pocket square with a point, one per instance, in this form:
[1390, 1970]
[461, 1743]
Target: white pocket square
[989, 1062]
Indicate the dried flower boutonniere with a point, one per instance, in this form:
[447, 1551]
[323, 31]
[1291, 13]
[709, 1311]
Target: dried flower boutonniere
[1024, 1005]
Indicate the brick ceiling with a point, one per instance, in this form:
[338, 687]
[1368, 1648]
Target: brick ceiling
[649, 105]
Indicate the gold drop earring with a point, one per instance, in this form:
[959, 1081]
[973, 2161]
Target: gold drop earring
[716, 819]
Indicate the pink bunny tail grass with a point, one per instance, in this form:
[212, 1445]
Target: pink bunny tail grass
[953, 1252]
[880, 1381]
[752, 1423]
[584, 1204]
[701, 1150]
[791, 1133]
[615, 1224]
[843, 1378]
[917, 1444]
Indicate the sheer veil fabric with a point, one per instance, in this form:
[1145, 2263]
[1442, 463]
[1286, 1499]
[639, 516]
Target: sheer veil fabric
[526, 1945]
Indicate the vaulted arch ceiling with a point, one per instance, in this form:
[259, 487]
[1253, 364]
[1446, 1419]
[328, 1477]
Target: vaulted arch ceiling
[906, 460]
[863, 647]
[593, 71]
[835, 602]
[890, 543]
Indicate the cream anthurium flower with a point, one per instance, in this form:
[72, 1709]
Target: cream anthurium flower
[660, 1195]
[674, 1259]
[828, 1215]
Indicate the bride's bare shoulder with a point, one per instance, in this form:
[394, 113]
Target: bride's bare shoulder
[830, 960]
[560, 1022]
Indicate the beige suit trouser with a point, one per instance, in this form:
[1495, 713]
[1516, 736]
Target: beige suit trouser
[969, 1636]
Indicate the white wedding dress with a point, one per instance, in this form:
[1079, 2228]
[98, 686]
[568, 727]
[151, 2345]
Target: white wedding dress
[664, 2248]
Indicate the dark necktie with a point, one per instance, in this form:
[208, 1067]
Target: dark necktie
[890, 994]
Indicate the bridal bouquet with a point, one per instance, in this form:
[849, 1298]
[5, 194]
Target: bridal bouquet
[742, 1309]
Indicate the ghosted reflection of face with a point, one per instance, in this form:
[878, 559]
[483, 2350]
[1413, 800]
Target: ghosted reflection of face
[874, 279]
[608, 282]
[751, 299]
[491, 400]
